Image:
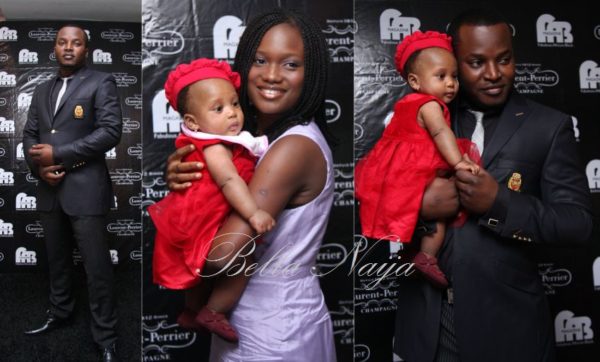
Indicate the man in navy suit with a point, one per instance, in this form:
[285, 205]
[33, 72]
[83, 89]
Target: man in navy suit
[531, 192]
[73, 120]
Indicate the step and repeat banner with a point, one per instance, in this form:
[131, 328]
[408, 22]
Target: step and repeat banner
[27, 60]
[178, 32]
[557, 64]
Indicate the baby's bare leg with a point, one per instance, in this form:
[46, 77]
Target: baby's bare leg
[227, 291]
[431, 244]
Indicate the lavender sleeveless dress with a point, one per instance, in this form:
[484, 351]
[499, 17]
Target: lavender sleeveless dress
[282, 314]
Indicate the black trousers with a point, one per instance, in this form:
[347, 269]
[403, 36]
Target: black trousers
[447, 349]
[89, 232]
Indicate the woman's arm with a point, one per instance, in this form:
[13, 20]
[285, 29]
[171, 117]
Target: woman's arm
[220, 165]
[293, 172]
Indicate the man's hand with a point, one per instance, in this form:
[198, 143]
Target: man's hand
[53, 174]
[477, 192]
[440, 200]
[42, 154]
[181, 174]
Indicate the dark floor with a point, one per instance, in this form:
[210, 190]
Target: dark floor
[24, 300]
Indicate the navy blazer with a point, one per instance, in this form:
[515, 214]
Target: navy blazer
[500, 310]
[87, 124]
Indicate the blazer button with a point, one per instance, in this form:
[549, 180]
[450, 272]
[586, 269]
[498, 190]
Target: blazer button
[53, 131]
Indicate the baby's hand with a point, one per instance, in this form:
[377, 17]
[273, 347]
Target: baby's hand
[467, 165]
[261, 221]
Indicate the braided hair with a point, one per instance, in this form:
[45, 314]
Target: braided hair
[311, 104]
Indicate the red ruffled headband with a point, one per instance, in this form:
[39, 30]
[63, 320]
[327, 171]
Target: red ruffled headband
[417, 41]
[199, 69]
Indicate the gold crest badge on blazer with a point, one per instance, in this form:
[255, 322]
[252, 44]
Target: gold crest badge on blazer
[78, 112]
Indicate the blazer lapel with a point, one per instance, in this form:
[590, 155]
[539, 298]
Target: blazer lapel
[49, 90]
[75, 82]
[514, 114]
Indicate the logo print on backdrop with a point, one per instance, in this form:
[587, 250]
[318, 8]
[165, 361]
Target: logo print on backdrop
[553, 277]
[124, 79]
[362, 353]
[1, 256]
[136, 200]
[135, 151]
[596, 273]
[376, 293]
[6, 229]
[52, 56]
[343, 175]
[116, 35]
[339, 36]
[160, 338]
[2, 152]
[114, 256]
[35, 229]
[30, 178]
[134, 101]
[7, 178]
[20, 153]
[332, 110]
[226, 35]
[116, 203]
[551, 33]
[165, 120]
[589, 77]
[329, 257]
[41, 77]
[571, 330]
[7, 80]
[343, 322]
[125, 176]
[43, 34]
[111, 154]
[136, 255]
[24, 100]
[3, 57]
[359, 132]
[7, 34]
[1, 202]
[531, 79]
[130, 125]
[124, 227]
[3, 102]
[7, 126]
[134, 58]
[592, 170]
[597, 32]
[575, 128]
[150, 193]
[393, 27]
[377, 78]
[166, 42]
[101, 57]
[27, 57]
[23, 202]
[25, 257]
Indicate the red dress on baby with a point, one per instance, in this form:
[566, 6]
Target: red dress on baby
[391, 178]
[186, 222]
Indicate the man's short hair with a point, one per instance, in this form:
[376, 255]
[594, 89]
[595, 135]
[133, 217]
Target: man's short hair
[86, 39]
[476, 17]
